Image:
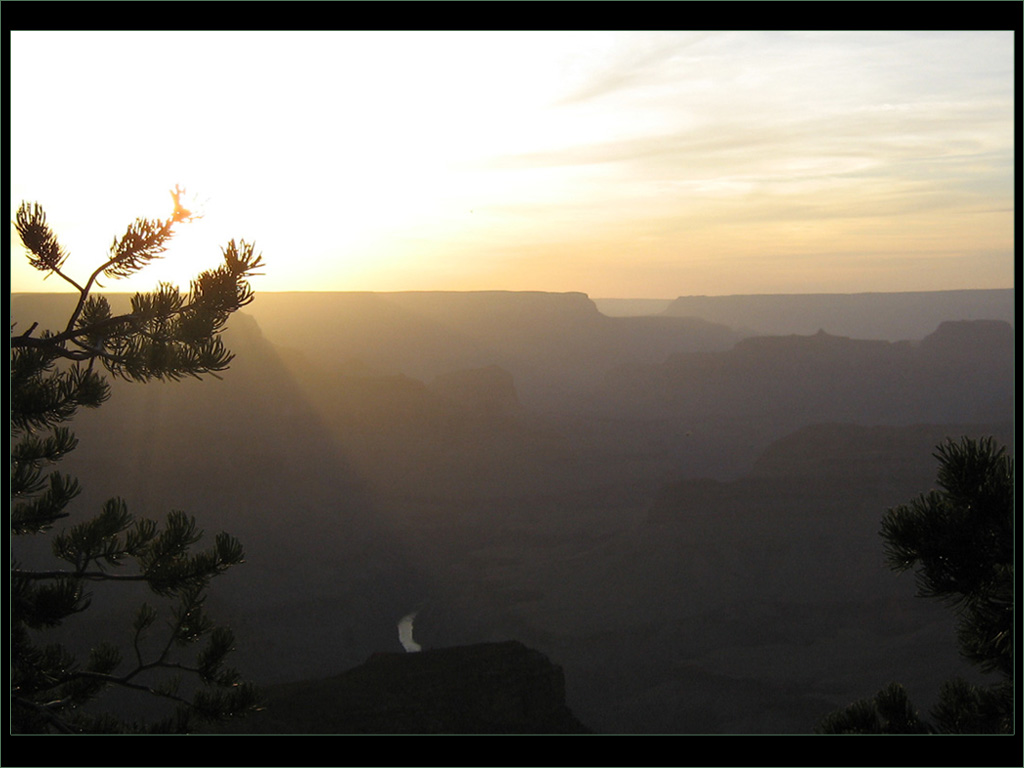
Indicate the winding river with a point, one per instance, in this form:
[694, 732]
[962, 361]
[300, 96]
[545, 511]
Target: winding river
[405, 633]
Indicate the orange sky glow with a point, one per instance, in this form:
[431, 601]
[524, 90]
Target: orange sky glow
[620, 164]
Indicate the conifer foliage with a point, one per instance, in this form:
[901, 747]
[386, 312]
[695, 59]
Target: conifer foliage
[177, 656]
[959, 540]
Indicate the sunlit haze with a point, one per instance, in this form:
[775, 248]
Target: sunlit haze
[596, 383]
[619, 164]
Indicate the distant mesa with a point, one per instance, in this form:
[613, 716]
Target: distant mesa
[632, 307]
[890, 316]
[965, 336]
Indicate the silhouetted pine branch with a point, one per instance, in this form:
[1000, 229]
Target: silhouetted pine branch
[167, 335]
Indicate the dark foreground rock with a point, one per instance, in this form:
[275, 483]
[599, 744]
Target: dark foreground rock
[495, 688]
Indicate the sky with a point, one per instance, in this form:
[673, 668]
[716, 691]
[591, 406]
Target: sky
[619, 164]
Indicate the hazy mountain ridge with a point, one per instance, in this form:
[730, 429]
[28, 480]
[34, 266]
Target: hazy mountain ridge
[890, 316]
[765, 387]
[553, 344]
[676, 553]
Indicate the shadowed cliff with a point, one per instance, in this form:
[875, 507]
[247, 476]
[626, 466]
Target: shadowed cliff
[488, 688]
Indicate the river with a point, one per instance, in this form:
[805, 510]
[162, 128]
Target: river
[405, 633]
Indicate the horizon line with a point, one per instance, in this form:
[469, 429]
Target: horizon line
[257, 292]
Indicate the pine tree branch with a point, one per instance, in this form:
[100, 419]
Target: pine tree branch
[101, 575]
[85, 354]
[27, 333]
[125, 681]
[45, 711]
[85, 575]
[72, 334]
[55, 342]
[56, 271]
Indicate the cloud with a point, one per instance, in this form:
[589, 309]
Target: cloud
[654, 142]
[626, 62]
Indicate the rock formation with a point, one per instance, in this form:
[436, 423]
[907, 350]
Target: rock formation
[487, 688]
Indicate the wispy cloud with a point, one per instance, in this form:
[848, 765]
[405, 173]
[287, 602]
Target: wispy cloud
[424, 151]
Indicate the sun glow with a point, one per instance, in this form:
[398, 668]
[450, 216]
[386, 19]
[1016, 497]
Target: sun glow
[654, 163]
